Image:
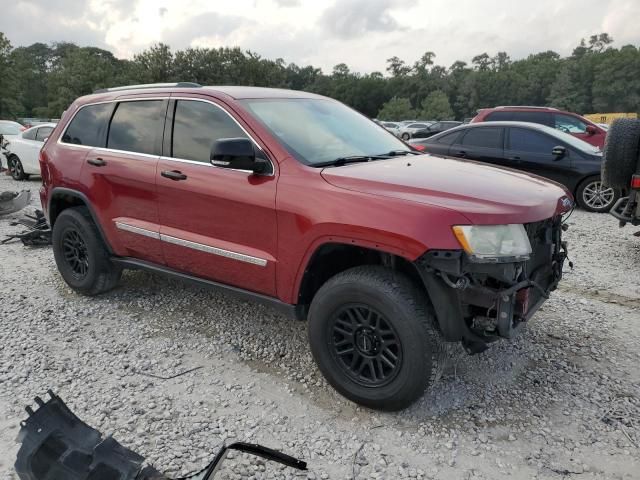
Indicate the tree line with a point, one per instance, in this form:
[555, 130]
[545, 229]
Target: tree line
[41, 80]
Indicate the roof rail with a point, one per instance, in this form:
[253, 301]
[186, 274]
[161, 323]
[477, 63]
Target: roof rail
[527, 106]
[150, 85]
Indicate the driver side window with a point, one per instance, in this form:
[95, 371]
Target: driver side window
[196, 126]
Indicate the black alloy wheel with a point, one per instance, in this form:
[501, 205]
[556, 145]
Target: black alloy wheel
[366, 345]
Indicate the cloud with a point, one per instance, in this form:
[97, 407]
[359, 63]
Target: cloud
[205, 25]
[288, 3]
[352, 18]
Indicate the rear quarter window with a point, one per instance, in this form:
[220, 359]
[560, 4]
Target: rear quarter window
[89, 125]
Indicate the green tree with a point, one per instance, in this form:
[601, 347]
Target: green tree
[396, 109]
[9, 105]
[436, 106]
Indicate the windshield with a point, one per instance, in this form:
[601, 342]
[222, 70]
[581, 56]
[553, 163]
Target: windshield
[320, 130]
[9, 129]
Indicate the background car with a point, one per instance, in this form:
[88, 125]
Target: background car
[392, 127]
[407, 131]
[8, 130]
[23, 151]
[436, 128]
[533, 148]
[567, 122]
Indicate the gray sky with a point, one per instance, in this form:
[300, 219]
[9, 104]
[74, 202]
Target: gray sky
[360, 33]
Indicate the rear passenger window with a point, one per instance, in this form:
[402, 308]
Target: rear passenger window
[196, 126]
[136, 126]
[448, 139]
[543, 118]
[43, 132]
[483, 137]
[30, 134]
[499, 117]
[89, 125]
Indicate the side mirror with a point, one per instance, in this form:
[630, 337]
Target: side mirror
[559, 152]
[237, 154]
[591, 130]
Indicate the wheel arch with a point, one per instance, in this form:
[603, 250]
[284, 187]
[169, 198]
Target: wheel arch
[62, 198]
[333, 257]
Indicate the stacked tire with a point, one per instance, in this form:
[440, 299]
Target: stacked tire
[621, 153]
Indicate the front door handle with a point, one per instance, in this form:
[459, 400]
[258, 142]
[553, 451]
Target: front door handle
[173, 175]
[97, 162]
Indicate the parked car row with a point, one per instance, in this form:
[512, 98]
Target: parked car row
[533, 148]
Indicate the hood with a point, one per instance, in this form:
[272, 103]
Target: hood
[482, 193]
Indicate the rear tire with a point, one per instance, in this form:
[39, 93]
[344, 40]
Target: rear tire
[373, 335]
[17, 170]
[593, 196]
[81, 255]
[620, 158]
[406, 136]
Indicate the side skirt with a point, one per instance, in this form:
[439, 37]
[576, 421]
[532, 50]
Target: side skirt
[284, 308]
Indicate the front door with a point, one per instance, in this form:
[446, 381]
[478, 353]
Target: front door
[532, 151]
[216, 223]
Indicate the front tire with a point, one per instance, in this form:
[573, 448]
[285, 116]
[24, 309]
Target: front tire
[594, 196]
[80, 254]
[16, 168]
[373, 335]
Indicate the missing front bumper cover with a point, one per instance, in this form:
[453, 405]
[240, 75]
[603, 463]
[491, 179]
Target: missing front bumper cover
[57, 445]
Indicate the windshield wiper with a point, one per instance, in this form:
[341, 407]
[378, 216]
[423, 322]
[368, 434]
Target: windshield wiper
[401, 153]
[338, 162]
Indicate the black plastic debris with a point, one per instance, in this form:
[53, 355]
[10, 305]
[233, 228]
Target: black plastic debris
[57, 445]
[37, 233]
[11, 202]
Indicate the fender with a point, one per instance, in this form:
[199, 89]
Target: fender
[62, 191]
[336, 239]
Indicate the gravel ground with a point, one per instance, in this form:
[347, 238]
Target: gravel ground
[561, 401]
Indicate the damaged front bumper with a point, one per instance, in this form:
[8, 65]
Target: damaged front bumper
[57, 445]
[478, 303]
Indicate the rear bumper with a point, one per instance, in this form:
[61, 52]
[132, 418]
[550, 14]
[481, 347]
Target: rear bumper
[479, 303]
[627, 209]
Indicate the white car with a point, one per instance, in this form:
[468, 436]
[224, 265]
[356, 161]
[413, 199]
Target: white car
[406, 131]
[392, 127]
[8, 130]
[23, 151]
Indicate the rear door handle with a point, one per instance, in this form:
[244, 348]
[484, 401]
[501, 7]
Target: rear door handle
[461, 153]
[515, 158]
[97, 162]
[173, 175]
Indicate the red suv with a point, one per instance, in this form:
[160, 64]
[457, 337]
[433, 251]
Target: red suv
[298, 201]
[568, 122]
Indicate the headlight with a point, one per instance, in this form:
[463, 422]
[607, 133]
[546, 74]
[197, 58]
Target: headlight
[494, 242]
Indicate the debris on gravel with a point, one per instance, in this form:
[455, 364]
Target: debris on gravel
[173, 372]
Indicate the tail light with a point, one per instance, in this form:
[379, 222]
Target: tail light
[44, 166]
[635, 182]
[420, 148]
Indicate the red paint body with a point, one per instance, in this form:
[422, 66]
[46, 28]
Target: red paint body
[595, 136]
[403, 206]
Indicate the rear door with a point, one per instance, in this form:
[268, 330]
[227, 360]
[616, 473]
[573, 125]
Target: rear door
[216, 223]
[482, 143]
[121, 178]
[530, 150]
